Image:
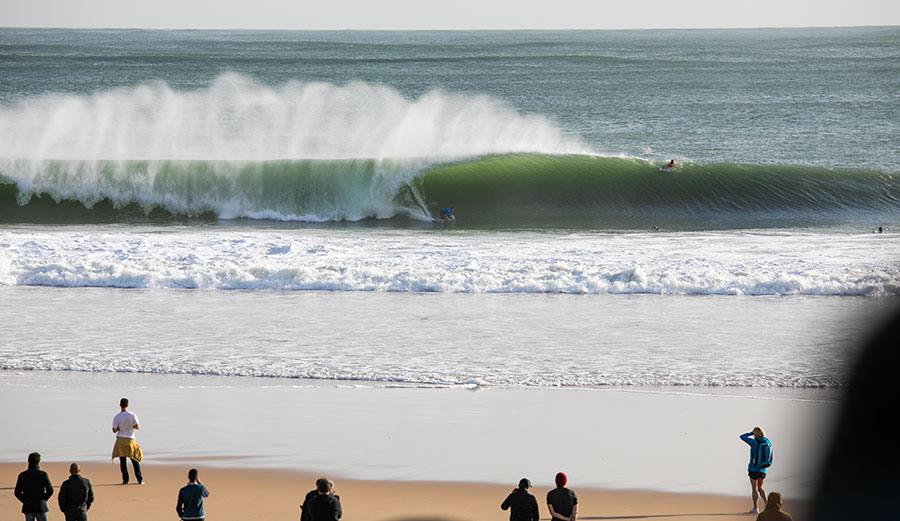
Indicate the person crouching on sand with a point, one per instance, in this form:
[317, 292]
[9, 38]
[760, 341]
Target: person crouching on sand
[773, 511]
[522, 506]
[325, 505]
[562, 502]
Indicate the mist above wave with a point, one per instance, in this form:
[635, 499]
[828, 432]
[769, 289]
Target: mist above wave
[239, 119]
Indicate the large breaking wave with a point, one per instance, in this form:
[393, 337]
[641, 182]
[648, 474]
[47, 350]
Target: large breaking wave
[320, 152]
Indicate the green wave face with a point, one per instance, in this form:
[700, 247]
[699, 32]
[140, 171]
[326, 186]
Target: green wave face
[505, 191]
[612, 193]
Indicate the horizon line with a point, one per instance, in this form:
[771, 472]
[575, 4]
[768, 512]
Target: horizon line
[251, 29]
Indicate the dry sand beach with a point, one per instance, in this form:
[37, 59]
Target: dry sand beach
[238, 494]
[404, 453]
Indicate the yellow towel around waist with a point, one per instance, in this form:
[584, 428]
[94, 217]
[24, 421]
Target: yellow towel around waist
[128, 448]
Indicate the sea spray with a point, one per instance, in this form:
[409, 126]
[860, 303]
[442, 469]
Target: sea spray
[328, 152]
[237, 119]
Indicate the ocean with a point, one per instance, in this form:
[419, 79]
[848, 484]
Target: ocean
[262, 205]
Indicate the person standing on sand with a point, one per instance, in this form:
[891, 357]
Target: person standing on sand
[522, 506]
[33, 489]
[773, 511]
[325, 505]
[562, 502]
[756, 469]
[123, 426]
[75, 495]
[190, 498]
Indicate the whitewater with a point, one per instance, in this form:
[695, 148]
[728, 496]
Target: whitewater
[690, 263]
[232, 203]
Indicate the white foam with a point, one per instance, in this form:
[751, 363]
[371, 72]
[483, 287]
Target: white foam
[727, 263]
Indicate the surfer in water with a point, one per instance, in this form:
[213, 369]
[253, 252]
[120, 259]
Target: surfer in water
[447, 214]
[670, 164]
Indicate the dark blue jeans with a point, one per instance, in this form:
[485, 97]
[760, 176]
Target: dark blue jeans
[137, 470]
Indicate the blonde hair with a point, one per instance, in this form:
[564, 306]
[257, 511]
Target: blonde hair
[758, 432]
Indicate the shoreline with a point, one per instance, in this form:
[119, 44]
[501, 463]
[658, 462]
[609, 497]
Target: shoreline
[618, 439]
[247, 494]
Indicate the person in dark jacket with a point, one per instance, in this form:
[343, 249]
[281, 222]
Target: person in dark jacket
[325, 505]
[562, 502]
[75, 495]
[304, 507]
[190, 498]
[522, 506]
[33, 489]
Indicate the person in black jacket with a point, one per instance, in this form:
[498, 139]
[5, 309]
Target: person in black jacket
[562, 502]
[75, 495]
[304, 507]
[33, 489]
[522, 506]
[325, 505]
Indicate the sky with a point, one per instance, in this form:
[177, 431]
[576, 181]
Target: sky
[447, 14]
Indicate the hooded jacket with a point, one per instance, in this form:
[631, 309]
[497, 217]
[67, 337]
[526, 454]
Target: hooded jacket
[773, 511]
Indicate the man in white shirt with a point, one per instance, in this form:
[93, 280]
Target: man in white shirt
[124, 424]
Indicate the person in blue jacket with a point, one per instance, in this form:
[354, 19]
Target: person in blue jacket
[190, 498]
[447, 214]
[756, 469]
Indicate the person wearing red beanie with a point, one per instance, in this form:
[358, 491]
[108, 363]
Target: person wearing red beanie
[562, 502]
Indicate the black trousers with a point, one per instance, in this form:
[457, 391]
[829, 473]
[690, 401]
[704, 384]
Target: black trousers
[75, 515]
[137, 470]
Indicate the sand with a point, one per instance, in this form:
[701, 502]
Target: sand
[248, 494]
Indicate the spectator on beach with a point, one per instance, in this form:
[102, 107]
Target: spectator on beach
[522, 506]
[190, 498]
[760, 459]
[562, 502]
[123, 426]
[33, 489]
[773, 511]
[304, 506]
[75, 495]
[324, 505]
